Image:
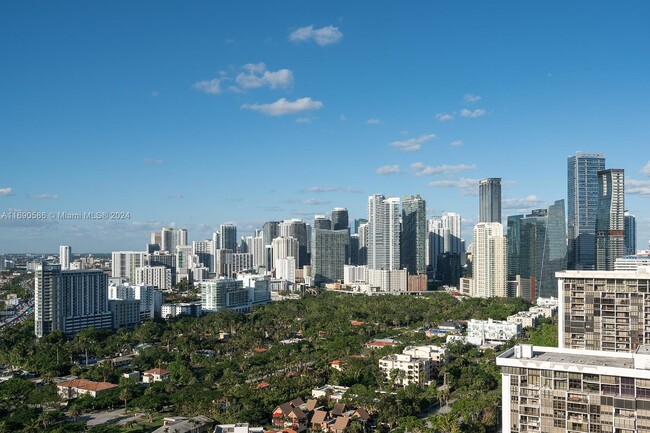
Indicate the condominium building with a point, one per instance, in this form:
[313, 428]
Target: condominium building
[630, 234]
[489, 261]
[632, 262]
[149, 297]
[604, 310]
[124, 263]
[328, 252]
[228, 237]
[405, 370]
[414, 234]
[555, 390]
[69, 301]
[383, 241]
[156, 276]
[224, 293]
[64, 257]
[610, 221]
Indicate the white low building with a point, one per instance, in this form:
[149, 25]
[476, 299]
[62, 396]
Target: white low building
[405, 369]
[491, 331]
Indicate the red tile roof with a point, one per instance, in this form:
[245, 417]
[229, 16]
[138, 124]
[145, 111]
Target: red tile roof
[87, 385]
[158, 371]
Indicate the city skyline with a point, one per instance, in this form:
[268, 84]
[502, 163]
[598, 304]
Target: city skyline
[183, 125]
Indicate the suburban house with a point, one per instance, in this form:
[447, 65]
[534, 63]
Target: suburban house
[155, 375]
[290, 416]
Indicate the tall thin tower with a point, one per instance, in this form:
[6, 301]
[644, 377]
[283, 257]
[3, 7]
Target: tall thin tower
[64, 257]
[383, 232]
[414, 234]
[490, 200]
[582, 205]
[610, 221]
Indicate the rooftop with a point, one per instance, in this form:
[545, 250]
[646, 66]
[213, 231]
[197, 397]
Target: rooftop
[577, 358]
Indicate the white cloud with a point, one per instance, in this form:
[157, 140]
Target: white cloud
[425, 170]
[528, 202]
[211, 87]
[444, 117]
[472, 113]
[388, 169]
[633, 186]
[44, 196]
[282, 106]
[413, 144]
[322, 189]
[646, 170]
[6, 192]
[373, 121]
[471, 98]
[256, 75]
[314, 202]
[153, 161]
[466, 186]
[457, 143]
[303, 120]
[324, 36]
[174, 197]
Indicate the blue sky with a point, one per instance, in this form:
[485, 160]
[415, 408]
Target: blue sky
[198, 113]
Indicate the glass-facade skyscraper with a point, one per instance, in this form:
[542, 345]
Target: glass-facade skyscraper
[630, 234]
[489, 191]
[582, 205]
[414, 235]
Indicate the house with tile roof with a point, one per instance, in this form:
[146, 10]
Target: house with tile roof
[155, 375]
[74, 388]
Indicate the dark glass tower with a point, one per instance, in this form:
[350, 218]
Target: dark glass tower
[414, 235]
[582, 205]
[489, 200]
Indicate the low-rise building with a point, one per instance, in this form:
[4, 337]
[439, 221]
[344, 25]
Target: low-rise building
[331, 392]
[74, 388]
[192, 309]
[155, 375]
[490, 331]
[405, 370]
[181, 424]
[438, 355]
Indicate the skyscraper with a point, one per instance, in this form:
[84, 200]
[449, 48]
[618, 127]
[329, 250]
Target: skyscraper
[328, 255]
[383, 233]
[340, 219]
[70, 301]
[297, 228]
[167, 239]
[435, 243]
[322, 222]
[582, 204]
[610, 226]
[489, 261]
[630, 234]
[414, 234]
[537, 250]
[451, 221]
[228, 237]
[490, 200]
[64, 257]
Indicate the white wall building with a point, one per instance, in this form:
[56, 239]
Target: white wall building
[157, 276]
[383, 242]
[489, 276]
[64, 257]
[480, 332]
[388, 281]
[124, 263]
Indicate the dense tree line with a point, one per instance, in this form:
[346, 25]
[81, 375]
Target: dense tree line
[228, 386]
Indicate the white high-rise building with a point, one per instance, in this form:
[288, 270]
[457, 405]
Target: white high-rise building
[150, 297]
[285, 269]
[489, 261]
[124, 263]
[435, 241]
[383, 232]
[284, 247]
[205, 251]
[64, 257]
[451, 221]
[157, 276]
[69, 301]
